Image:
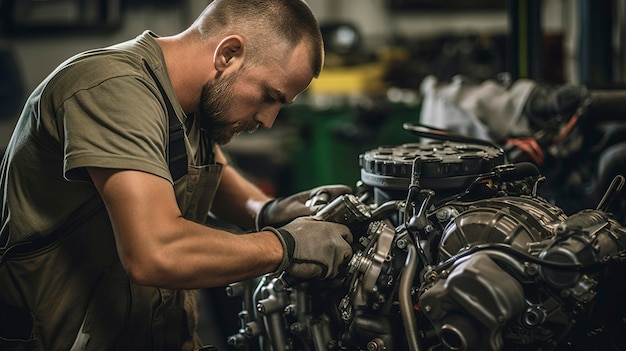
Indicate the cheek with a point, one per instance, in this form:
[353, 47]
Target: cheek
[244, 104]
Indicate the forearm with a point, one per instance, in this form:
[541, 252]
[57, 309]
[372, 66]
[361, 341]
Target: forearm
[158, 247]
[196, 256]
[237, 200]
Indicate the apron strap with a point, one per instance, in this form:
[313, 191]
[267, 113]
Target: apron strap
[176, 151]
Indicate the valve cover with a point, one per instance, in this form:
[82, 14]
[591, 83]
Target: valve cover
[444, 165]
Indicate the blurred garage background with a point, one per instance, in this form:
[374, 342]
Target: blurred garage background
[378, 53]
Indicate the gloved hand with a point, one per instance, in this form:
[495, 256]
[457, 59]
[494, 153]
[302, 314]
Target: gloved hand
[280, 211]
[312, 248]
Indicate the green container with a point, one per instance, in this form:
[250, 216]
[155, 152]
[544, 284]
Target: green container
[327, 147]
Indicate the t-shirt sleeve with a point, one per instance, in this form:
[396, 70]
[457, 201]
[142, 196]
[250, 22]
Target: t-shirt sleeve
[119, 123]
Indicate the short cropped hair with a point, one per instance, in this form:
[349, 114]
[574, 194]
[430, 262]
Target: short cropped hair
[265, 23]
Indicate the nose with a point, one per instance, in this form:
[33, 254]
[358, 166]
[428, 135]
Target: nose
[267, 116]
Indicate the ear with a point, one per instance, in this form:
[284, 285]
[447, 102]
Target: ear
[227, 52]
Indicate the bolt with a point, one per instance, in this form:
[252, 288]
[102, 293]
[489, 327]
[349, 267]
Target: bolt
[401, 243]
[376, 345]
[531, 269]
[345, 315]
[297, 328]
[443, 214]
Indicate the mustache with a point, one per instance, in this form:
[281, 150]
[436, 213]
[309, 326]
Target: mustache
[246, 126]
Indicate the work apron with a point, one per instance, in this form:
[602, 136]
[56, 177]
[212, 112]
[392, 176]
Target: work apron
[195, 194]
[47, 290]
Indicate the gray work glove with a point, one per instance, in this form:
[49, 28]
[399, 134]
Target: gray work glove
[312, 248]
[280, 211]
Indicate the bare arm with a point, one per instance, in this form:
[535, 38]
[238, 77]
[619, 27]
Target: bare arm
[237, 200]
[158, 247]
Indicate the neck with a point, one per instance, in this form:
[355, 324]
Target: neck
[185, 61]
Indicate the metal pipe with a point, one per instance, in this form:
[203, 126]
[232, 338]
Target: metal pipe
[404, 297]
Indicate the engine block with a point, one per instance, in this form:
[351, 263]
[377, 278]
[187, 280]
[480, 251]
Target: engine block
[455, 249]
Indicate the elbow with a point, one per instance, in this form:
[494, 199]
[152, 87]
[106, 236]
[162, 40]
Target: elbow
[150, 271]
[143, 277]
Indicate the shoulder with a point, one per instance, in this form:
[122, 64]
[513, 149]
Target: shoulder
[128, 62]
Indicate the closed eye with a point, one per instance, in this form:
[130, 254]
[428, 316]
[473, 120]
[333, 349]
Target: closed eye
[268, 98]
[273, 96]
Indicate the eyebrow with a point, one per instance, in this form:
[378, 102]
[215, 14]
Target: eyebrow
[278, 95]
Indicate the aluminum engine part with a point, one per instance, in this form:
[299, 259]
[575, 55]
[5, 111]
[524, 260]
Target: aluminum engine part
[515, 221]
[470, 308]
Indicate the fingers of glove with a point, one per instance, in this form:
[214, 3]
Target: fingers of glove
[331, 191]
[317, 197]
[320, 248]
[309, 227]
[324, 195]
[281, 211]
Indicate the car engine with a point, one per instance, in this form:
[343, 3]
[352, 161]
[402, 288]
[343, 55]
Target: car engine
[454, 249]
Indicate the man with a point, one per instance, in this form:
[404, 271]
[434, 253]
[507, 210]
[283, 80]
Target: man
[102, 224]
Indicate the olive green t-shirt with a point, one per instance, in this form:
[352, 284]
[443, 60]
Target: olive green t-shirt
[98, 109]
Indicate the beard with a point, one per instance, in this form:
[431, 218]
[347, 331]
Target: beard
[215, 110]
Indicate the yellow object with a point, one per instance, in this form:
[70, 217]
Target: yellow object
[366, 78]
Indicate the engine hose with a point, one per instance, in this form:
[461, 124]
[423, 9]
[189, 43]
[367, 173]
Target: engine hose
[514, 265]
[588, 267]
[495, 247]
[256, 297]
[404, 297]
[275, 326]
[381, 211]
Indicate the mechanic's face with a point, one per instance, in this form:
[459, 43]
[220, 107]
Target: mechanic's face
[252, 96]
[216, 105]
